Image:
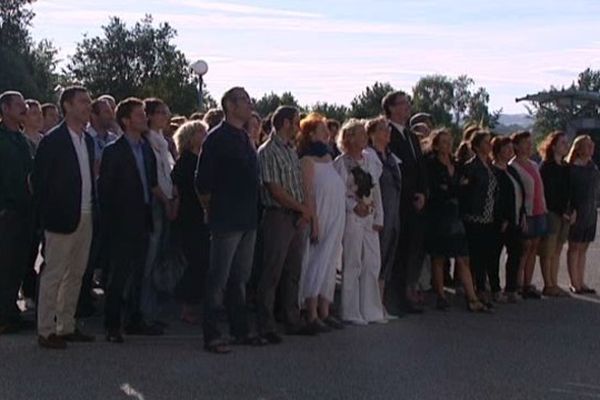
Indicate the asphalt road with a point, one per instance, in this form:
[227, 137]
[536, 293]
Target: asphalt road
[546, 349]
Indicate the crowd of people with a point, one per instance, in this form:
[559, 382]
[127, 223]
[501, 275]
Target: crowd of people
[230, 211]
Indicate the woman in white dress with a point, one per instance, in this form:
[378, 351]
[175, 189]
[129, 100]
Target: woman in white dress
[360, 170]
[325, 191]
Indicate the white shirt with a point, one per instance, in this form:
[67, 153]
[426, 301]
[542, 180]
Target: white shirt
[164, 162]
[84, 169]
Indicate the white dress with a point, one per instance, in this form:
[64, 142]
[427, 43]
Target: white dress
[361, 299]
[318, 274]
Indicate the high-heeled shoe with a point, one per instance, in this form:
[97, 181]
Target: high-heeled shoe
[476, 306]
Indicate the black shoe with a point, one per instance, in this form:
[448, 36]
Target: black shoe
[302, 330]
[144, 330]
[78, 336]
[272, 338]
[52, 342]
[114, 336]
[256, 341]
[85, 311]
[442, 304]
[321, 327]
[412, 308]
[333, 322]
[531, 293]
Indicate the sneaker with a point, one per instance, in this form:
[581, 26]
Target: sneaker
[52, 342]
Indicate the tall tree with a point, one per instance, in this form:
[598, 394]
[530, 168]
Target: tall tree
[479, 112]
[140, 61]
[24, 65]
[434, 94]
[331, 110]
[270, 101]
[368, 103]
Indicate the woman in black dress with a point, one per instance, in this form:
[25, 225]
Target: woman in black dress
[446, 235]
[584, 179]
[190, 224]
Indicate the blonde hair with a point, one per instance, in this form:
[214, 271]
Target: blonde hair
[184, 134]
[348, 131]
[374, 123]
[575, 150]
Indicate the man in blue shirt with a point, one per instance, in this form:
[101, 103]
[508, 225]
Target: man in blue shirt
[227, 181]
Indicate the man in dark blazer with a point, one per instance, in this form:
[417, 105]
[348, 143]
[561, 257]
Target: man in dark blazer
[125, 186]
[64, 192]
[405, 145]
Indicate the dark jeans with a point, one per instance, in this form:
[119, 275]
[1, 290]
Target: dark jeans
[283, 254]
[15, 239]
[483, 244]
[231, 255]
[512, 239]
[127, 260]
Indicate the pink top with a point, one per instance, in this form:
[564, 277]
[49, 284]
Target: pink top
[539, 205]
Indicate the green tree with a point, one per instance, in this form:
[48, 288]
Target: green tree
[554, 115]
[141, 61]
[368, 103]
[24, 65]
[479, 112]
[270, 101]
[434, 94]
[331, 110]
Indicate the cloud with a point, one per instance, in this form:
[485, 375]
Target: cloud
[243, 9]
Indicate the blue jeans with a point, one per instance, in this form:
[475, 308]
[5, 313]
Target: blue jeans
[231, 257]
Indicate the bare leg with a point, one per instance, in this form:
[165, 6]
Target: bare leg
[556, 263]
[573, 263]
[546, 263]
[437, 273]
[464, 272]
[323, 308]
[582, 261]
[530, 261]
[311, 309]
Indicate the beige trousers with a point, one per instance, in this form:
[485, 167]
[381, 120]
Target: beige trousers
[66, 257]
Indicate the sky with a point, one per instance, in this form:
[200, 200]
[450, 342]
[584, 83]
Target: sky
[330, 50]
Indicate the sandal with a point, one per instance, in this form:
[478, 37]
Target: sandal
[217, 347]
[477, 306]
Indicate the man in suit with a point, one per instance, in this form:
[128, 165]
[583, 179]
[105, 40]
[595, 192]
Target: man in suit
[405, 145]
[125, 186]
[15, 208]
[63, 187]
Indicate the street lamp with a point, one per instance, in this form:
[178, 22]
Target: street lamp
[200, 68]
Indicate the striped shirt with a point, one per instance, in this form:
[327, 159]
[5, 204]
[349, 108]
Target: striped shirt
[279, 163]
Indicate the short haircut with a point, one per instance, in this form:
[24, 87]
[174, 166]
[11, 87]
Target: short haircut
[152, 104]
[374, 123]
[97, 103]
[213, 117]
[478, 137]
[197, 116]
[519, 136]
[389, 99]
[333, 124]
[283, 113]
[68, 95]
[6, 98]
[498, 143]
[230, 96]
[33, 103]
[47, 106]
[125, 108]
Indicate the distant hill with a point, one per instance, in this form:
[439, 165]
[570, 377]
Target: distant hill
[509, 123]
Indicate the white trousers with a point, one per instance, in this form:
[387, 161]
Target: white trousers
[361, 299]
[66, 257]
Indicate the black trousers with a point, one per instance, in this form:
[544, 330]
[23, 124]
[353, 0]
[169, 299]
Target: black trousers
[195, 243]
[483, 244]
[15, 239]
[123, 286]
[512, 240]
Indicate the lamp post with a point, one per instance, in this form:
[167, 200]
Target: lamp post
[200, 68]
